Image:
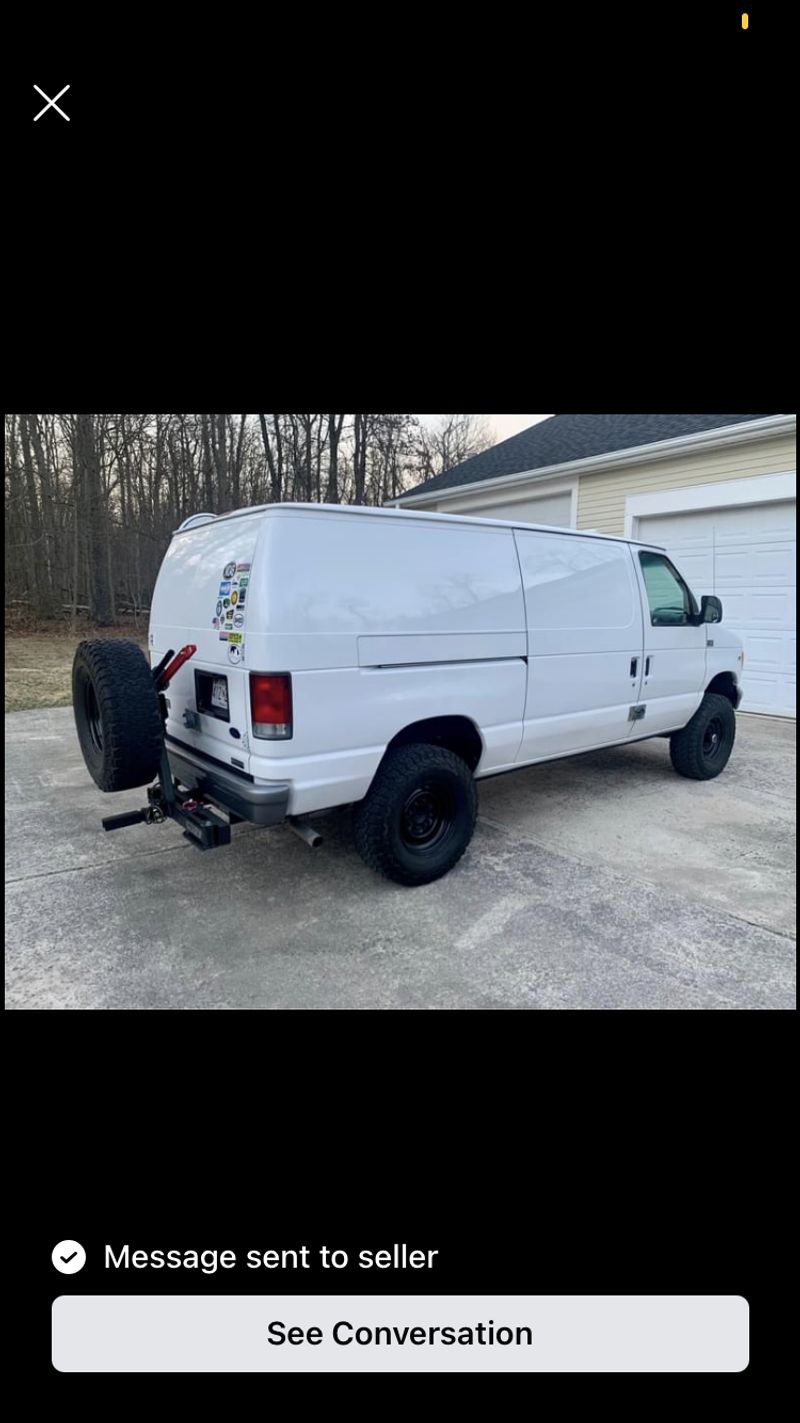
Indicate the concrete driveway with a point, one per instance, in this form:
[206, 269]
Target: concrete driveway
[602, 882]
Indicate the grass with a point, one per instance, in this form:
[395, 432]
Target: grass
[39, 663]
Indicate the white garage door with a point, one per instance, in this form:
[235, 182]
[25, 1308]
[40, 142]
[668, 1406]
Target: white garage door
[746, 556]
[557, 509]
[552, 509]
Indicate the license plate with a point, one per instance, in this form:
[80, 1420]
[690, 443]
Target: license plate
[219, 693]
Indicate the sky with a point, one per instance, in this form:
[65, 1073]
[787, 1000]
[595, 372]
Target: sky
[505, 425]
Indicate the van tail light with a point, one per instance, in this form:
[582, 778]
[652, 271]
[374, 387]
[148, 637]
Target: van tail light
[271, 706]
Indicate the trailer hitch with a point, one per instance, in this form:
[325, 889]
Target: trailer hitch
[201, 825]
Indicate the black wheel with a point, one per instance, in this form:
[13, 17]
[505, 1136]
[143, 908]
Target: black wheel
[704, 747]
[116, 713]
[419, 815]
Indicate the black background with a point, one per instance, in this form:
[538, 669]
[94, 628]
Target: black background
[598, 187]
[565, 1164]
[264, 94]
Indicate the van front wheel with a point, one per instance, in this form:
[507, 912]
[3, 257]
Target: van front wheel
[418, 816]
[703, 748]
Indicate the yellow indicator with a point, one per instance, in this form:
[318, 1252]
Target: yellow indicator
[745, 21]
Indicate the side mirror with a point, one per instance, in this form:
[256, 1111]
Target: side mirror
[710, 610]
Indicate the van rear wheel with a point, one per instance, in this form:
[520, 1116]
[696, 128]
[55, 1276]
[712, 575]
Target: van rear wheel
[419, 815]
[703, 748]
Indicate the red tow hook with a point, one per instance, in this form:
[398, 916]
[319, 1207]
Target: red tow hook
[175, 666]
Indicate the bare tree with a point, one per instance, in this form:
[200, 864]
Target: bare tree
[92, 500]
[335, 425]
[454, 439]
[363, 429]
[273, 450]
[86, 454]
[35, 536]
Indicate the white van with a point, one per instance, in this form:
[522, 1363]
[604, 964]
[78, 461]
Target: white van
[390, 659]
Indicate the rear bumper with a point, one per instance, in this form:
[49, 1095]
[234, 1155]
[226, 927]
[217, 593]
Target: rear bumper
[260, 804]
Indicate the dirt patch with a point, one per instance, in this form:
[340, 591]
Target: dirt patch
[39, 663]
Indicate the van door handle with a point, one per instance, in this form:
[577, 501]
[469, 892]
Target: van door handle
[634, 666]
[647, 668]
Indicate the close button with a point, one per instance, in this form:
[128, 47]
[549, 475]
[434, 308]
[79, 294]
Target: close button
[51, 103]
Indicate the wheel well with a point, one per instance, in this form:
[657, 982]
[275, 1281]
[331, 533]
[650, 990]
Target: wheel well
[725, 685]
[456, 733]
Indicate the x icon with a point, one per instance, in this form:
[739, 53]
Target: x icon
[51, 103]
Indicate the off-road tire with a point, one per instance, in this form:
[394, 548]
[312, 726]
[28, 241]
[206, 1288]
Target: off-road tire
[417, 786]
[117, 714]
[703, 748]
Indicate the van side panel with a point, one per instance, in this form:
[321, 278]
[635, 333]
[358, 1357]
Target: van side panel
[383, 624]
[344, 720]
[586, 640]
[331, 582]
[399, 651]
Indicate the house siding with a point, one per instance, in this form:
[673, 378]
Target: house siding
[602, 497]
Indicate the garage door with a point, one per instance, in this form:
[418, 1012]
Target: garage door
[557, 510]
[552, 509]
[746, 556]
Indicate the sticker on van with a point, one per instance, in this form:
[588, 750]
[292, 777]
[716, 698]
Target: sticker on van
[243, 582]
[229, 570]
[235, 637]
[223, 637]
[235, 654]
[238, 621]
[224, 590]
[243, 568]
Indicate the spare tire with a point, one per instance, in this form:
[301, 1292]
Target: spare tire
[117, 714]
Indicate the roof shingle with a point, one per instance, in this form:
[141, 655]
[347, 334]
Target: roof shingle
[565, 438]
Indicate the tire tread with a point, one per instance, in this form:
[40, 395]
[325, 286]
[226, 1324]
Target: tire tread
[686, 746]
[371, 822]
[129, 712]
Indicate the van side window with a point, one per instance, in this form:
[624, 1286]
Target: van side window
[577, 584]
[671, 601]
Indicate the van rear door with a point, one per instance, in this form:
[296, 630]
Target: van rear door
[202, 596]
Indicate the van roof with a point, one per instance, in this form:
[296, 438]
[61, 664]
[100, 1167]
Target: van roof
[406, 515]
